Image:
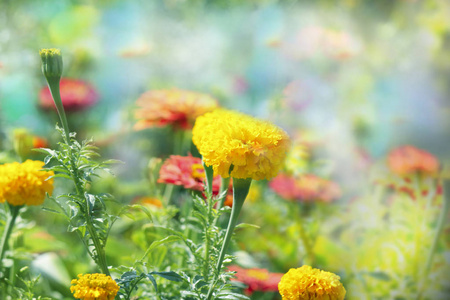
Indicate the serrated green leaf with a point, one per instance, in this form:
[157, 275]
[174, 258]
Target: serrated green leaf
[169, 275]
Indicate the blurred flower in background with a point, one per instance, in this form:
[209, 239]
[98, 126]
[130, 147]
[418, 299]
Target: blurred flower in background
[178, 108]
[24, 142]
[76, 95]
[257, 279]
[305, 188]
[407, 160]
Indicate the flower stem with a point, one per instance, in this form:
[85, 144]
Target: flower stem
[225, 182]
[209, 179]
[240, 192]
[14, 212]
[53, 84]
[100, 256]
[437, 235]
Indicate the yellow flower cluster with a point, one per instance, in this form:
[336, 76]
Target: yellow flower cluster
[24, 183]
[94, 287]
[311, 284]
[255, 148]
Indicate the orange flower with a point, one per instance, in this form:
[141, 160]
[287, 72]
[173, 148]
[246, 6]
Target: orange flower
[257, 279]
[408, 159]
[148, 201]
[171, 107]
[186, 171]
[76, 95]
[305, 188]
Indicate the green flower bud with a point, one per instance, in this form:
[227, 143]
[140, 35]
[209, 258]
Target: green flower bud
[52, 64]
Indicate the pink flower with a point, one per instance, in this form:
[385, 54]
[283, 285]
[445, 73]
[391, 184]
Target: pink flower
[257, 279]
[305, 188]
[76, 95]
[186, 171]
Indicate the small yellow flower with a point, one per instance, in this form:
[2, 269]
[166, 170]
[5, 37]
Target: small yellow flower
[24, 183]
[312, 284]
[94, 287]
[255, 148]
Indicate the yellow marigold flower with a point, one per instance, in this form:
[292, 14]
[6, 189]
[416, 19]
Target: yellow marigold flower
[255, 148]
[94, 287]
[312, 284]
[24, 183]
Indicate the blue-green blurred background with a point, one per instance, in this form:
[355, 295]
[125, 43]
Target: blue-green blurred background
[359, 74]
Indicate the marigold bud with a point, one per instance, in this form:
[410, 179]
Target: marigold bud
[52, 64]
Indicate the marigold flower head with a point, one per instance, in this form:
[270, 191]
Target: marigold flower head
[406, 160]
[257, 279]
[255, 148]
[94, 287]
[76, 95]
[171, 107]
[24, 183]
[312, 284]
[305, 188]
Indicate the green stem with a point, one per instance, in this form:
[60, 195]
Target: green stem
[100, 258]
[240, 192]
[99, 249]
[307, 244]
[209, 182]
[53, 84]
[224, 184]
[14, 212]
[437, 234]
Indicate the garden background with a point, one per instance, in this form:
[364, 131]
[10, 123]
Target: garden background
[349, 81]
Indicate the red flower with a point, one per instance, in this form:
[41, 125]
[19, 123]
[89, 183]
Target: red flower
[406, 160]
[305, 188]
[76, 95]
[186, 171]
[257, 279]
[171, 107]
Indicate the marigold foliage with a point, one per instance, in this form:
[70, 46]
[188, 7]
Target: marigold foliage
[312, 284]
[24, 183]
[255, 148]
[94, 287]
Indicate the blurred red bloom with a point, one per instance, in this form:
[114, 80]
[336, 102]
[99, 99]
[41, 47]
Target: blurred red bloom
[186, 171]
[305, 188]
[76, 95]
[39, 142]
[407, 159]
[171, 107]
[257, 279]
